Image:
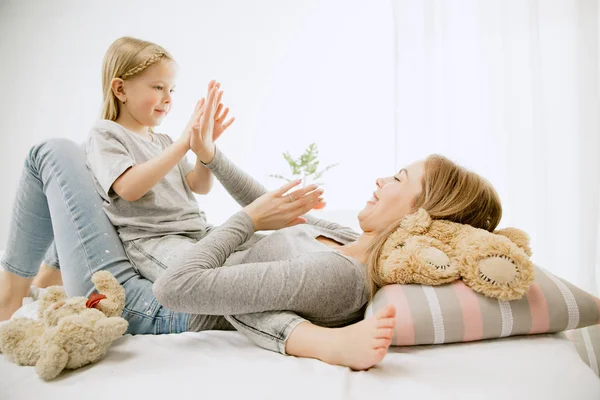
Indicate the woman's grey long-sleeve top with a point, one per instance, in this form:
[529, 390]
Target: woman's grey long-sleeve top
[288, 270]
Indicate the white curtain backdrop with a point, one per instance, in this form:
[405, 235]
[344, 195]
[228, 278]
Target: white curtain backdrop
[510, 89]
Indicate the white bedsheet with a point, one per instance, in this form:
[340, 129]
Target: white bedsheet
[210, 365]
[226, 365]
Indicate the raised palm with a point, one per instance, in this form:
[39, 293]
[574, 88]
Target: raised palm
[209, 122]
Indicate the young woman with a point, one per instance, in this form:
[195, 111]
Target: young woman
[300, 291]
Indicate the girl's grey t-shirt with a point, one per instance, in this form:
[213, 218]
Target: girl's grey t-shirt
[170, 207]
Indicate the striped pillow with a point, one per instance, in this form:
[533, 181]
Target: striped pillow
[587, 343]
[455, 313]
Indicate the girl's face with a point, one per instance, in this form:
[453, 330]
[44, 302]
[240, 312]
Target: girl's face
[393, 198]
[149, 93]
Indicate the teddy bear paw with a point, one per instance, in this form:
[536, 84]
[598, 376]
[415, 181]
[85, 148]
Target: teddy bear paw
[498, 270]
[435, 258]
[500, 276]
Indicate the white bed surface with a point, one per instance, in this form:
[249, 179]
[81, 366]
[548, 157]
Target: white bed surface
[226, 365]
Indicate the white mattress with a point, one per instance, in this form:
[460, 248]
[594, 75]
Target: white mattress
[227, 365]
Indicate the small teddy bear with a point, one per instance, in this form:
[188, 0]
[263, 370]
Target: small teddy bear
[434, 252]
[69, 332]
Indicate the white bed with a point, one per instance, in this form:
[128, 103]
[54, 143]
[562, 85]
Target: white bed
[227, 365]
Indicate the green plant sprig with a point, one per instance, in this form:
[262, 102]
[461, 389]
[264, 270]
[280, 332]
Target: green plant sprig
[306, 165]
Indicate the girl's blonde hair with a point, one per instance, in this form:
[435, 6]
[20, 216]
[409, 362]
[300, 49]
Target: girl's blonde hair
[450, 192]
[125, 58]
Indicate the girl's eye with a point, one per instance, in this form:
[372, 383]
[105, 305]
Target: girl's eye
[158, 87]
[172, 90]
[396, 178]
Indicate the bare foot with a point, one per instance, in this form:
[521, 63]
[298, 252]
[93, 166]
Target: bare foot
[364, 344]
[13, 289]
[47, 276]
[8, 306]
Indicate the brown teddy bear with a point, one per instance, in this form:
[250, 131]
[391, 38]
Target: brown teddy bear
[69, 332]
[434, 252]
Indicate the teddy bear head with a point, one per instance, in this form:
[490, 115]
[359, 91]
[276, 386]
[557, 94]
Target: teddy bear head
[55, 305]
[433, 252]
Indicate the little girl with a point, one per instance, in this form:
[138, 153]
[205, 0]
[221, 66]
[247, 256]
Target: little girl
[145, 186]
[143, 177]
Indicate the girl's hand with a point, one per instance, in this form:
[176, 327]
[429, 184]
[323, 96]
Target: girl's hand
[201, 135]
[194, 120]
[276, 210]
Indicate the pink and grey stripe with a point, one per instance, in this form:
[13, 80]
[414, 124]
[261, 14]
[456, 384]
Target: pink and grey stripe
[455, 313]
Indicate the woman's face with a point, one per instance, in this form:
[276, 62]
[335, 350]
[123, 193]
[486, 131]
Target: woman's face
[393, 198]
[149, 93]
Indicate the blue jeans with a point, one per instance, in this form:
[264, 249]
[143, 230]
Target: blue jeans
[58, 218]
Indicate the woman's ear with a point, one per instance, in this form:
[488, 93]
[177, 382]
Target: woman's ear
[118, 88]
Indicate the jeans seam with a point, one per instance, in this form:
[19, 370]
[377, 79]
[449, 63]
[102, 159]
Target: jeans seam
[132, 311]
[282, 333]
[12, 269]
[257, 331]
[158, 326]
[148, 256]
[133, 265]
[43, 159]
[281, 344]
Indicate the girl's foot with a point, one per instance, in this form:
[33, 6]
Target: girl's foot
[364, 344]
[13, 289]
[8, 306]
[47, 276]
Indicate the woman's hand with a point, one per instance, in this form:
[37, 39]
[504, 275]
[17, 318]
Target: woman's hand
[220, 124]
[276, 210]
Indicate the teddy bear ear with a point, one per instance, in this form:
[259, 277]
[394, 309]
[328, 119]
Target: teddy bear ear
[107, 285]
[518, 237]
[416, 223]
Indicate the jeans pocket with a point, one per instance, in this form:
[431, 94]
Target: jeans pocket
[133, 255]
[142, 321]
[143, 261]
[146, 316]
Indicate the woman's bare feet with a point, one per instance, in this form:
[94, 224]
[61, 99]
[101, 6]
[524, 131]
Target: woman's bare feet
[359, 346]
[364, 344]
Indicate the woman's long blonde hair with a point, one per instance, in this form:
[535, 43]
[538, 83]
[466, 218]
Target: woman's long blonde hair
[450, 192]
[124, 58]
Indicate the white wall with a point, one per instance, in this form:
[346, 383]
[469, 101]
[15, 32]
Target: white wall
[293, 73]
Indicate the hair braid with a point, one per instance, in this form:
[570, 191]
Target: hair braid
[155, 58]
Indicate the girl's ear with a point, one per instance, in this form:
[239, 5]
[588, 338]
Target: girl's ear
[118, 87]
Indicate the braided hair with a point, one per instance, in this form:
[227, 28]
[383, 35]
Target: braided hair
[139, 68]
[125, 58]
